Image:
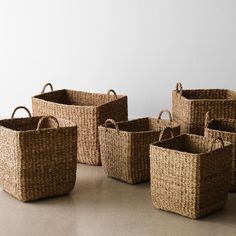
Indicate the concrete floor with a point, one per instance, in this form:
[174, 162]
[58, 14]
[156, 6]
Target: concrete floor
[102, 206]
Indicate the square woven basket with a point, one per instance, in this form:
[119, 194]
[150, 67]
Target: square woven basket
[87, 111]
[190, 106]
[125, 147]
[226, 129]
[38, 157]
[190, 174]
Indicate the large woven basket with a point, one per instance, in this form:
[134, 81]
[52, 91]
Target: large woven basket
[190, 174]
[38, 156]
[87, 111]
[226, 129]
[125, 147]
[190, 106]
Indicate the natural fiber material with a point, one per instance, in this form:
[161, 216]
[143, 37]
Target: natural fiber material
[190, 174]
[125, 147]
[190, 107]
[226, 129]
[38, 157]
[87, 111]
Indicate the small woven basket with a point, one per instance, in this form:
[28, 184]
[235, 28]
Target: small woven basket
[190, 174]
[87, 111]
[190, 106]
[226, 129]
[125, 146]
[38, 156]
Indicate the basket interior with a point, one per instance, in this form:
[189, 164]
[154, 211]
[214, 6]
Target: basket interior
[29, 124]
[228, 125]
[209, 94]
[143, 125]
[188, 143]
[69, 97]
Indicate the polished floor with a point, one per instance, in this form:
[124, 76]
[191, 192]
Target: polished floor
[102, 206]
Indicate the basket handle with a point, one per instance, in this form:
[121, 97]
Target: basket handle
[45, 86]
[165, 111]
[112, 91]
[207, 119]
[112, 122]
[47, 117]
[215, 140]
[164, 131]
[20, 107]
[179, 88]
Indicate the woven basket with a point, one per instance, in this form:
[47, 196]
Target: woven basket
[190, 107]
[125, 147]
[226, 129]
[190, 174]
[87, 111]
[38, 156]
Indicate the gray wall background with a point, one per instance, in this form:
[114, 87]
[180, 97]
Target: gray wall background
[138, 47]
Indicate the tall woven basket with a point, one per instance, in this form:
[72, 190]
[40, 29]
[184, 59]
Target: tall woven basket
[190, 174]
[87, 111]
[226, 129]
[125, 146]
[38, 156]
[190, 106]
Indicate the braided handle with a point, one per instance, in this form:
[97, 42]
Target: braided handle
[165, 111]
[20, 107]
[112, 122]
[207, 119]
[179, 88]
[45, 86]
[49, 118]
[164, 131]
[214, 141]
[112, 91]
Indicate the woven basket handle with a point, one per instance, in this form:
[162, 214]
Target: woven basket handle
[215, 140]
[165, 111]
[49, 118]
[179, 88]
[112, 122]
[20, 107]
[207, 119]
[167, 129]
[45, 86]
[112, 91]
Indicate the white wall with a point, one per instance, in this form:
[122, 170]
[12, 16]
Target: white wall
[138, 47]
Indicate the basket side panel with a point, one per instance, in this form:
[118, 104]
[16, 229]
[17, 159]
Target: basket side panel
[10, 162]
[215, 176]
[230, 137]
[49, 160]
[115, 153]
[86, 120]
[173, 181]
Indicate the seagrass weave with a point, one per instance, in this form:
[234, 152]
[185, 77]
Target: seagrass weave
[87, 111]
[38, 157]
[190, 106]
[125, 147]
[190, 174]
[226, 129]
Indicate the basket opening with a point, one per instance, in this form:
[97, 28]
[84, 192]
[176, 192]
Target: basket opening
[70, 97]
[209, 94]
[27, 124]
[188, 143]
[223, 125]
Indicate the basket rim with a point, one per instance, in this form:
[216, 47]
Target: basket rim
[154, 145]
[205, 99]
[40, 97]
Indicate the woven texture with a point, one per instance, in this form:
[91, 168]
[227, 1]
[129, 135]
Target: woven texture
[226, 129]
[190, 174]
[87, 111]
[125, 147]
[38, 157]
[190, 107]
